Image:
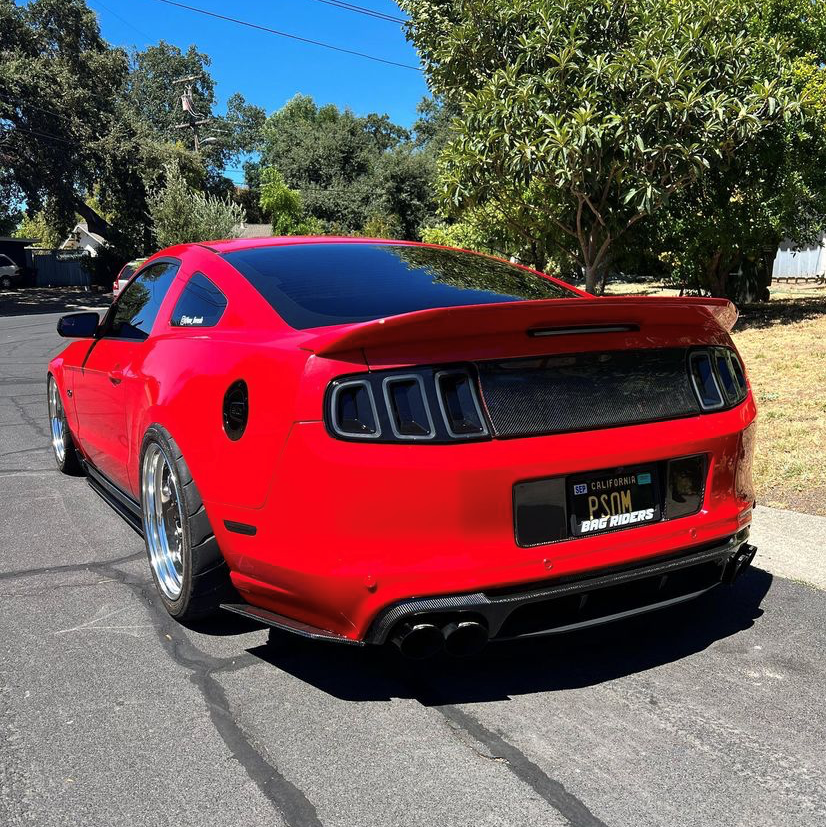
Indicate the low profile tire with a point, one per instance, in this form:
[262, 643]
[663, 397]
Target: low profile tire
[187, 566]
[63, 446]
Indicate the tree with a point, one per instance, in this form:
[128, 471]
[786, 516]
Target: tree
[432, 127]
[721, 235]
[153, 102]
[350, 171]
[284, 206]
[36, 227]
[58, 83]
[404, 186]
[328, 156]
[181, 214]
[581, 118]
[151, 93]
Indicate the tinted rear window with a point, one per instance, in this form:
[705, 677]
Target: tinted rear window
[315, 285]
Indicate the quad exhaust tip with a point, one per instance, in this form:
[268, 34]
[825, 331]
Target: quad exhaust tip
[739, 562]
[460, 638]
[465, 637]
[418, 641]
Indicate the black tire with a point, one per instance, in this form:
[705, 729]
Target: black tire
[64, 452]
[6, 282]
[204, 579]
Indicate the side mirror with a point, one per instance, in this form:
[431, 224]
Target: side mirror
[78, 325]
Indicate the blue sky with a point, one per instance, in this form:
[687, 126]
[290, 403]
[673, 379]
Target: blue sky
[268, 70]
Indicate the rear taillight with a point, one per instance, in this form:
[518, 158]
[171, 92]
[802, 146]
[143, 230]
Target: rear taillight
[718, 378]
[353, 410]
[428, 404]
[459, 405]
[406, 404]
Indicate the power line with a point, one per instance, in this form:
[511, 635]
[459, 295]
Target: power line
[362, 10]
[12, 101]
[149, 38]
[288, 35]
[42, 135]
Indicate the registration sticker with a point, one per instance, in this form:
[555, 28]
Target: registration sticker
[644, 479]
[582, 488]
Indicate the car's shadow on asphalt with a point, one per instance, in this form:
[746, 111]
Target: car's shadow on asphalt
[548, 664]
[29, 301]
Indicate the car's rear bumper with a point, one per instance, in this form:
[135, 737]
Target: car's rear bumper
[349, 531]
[561, 605]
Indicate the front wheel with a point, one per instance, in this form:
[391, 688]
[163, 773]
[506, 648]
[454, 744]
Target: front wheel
[63, 447]
[187, 566]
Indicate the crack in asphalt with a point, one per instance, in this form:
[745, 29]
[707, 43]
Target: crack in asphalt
[36, 424]
[293, 806]
[496, 748]
[571, 808]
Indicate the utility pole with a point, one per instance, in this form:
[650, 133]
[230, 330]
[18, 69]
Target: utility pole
[193, 119]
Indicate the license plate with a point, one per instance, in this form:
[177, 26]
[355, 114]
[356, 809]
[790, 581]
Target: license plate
[613, 500]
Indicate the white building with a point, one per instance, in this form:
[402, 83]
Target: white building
[806, 262]
[81, 239]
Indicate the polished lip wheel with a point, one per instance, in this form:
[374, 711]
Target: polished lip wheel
[56, 422]
[163, 520]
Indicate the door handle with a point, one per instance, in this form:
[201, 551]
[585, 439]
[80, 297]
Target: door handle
[116, 376]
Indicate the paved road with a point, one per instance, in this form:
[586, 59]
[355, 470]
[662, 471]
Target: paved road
[111, 714]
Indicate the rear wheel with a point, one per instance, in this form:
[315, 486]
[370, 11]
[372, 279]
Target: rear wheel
[187, 565]
[63, 447]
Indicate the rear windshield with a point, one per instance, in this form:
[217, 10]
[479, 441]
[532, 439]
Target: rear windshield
[315, 285]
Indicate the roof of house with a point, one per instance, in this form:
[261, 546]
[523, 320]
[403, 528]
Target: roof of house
[255, 231]
[83, 227]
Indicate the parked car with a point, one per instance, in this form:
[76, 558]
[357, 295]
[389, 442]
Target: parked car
[10, 273]
[368, 441]
[126, 272]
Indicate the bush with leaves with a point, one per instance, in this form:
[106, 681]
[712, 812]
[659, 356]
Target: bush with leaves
[181, 214]
[284, 206]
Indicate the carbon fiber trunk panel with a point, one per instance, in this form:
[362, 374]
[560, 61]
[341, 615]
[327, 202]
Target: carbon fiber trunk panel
[586, 391]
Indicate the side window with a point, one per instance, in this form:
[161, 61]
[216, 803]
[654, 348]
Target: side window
[5, 261]
[201, 304]
[134, 312]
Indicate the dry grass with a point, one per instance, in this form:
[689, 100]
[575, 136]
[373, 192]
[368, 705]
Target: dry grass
[783, 345]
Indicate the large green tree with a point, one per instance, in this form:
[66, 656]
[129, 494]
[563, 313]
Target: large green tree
[354, 174]
[580, 118]
[58, 107]
[722, 234]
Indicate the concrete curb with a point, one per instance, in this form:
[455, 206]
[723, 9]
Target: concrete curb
[790, 544]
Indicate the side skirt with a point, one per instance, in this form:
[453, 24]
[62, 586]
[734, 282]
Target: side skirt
[114, 497]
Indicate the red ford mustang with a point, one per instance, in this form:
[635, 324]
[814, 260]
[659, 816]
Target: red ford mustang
[366, 441]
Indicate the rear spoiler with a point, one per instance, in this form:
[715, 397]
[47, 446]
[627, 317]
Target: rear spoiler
[533, 318]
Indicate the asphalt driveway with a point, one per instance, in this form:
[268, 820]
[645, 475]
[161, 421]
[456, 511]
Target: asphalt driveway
[112, 714]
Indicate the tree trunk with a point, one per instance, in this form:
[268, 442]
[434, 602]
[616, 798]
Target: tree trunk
[593, 279]
[94, 221]
[717, 270]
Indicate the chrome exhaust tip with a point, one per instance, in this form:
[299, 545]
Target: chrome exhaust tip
[465, 637]
[418, 641]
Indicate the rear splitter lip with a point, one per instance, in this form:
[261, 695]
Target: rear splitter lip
[495, 606]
